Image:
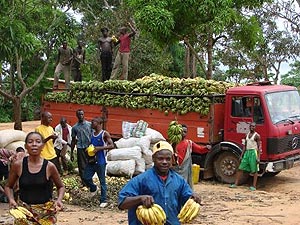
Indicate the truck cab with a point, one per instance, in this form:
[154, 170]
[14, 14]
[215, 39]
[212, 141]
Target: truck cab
[276, 111]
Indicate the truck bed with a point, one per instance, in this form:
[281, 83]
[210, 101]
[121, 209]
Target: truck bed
[202, 129]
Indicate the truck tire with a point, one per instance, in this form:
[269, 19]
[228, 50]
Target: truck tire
[225, 166]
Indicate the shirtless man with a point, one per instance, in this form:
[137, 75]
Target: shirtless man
[105, 45]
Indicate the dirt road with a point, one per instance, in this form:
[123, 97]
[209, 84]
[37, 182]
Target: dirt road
[276, 201]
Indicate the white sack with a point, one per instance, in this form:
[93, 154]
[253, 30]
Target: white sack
[155, 135]
[143, 142]
[10, 135]
[147, 155]
[124, 153]
[120, 168]
[139, 166]
[14, 145]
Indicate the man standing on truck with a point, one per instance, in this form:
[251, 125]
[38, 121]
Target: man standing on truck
[81, 137]
[63, 64]
[123, 53]
[183, 153]
[105, 46]
[250, 157]
[78, 59]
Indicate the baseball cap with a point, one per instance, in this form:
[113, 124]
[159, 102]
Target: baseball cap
[162, 145]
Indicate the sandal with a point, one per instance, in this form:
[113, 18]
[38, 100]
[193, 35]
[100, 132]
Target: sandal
[232, 186]
[252, 188]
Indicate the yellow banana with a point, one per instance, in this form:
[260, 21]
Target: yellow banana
[190, 211]
[142, 215]
[162, 212]
[147, 216]
[159, 215]
[25, 211]
[152, 216]
[17, 214]
[185, 207]
[138, 212]
[195, 212]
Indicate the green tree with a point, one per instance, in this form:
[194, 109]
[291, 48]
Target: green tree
[293, 76]
[199, 24]
[29, 31]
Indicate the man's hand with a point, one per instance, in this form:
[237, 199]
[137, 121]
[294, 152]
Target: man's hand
[147, 200]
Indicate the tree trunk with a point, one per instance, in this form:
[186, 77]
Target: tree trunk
[194, 66]
[187, 63]
[17, 113]
[186, 41]
[209, 56]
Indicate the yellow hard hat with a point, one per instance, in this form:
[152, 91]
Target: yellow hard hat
[90, 150]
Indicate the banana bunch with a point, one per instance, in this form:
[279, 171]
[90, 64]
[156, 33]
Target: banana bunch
[189, 211]
[20, 212]
[155, 215]
[114, 38]
[174, 132]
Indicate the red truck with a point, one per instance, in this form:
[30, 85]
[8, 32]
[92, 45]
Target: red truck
[274, 108]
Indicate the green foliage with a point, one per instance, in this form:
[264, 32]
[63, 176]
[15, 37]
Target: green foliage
[293, 76]
[29, 31]
[248, 33]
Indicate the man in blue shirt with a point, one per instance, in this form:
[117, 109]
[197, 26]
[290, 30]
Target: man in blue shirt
[158, 185]
[81, 137]
[101, 140]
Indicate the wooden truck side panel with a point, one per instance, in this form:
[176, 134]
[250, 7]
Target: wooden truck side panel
[202, 129]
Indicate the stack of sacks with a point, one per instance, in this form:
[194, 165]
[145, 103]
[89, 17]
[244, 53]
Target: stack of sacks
[125, 162]
[151, 137]
[12, 139]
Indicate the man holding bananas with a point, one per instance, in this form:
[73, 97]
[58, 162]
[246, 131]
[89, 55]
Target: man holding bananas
[158, 185]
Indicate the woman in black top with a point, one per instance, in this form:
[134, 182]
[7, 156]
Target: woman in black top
[36, 177]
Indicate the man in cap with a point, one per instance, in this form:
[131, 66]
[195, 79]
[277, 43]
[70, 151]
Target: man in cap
[166, 188]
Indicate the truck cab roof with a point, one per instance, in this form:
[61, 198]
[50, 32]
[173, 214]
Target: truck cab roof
[258, 89]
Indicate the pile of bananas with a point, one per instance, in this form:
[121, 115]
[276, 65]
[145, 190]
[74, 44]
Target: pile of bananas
[166, 94]
[189, 211]
[150, 216]
[174, 132]
[20, 212]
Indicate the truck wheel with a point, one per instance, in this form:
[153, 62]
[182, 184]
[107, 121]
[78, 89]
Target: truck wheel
[225, 167]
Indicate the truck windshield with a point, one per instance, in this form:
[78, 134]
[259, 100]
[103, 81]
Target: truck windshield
[283, 106]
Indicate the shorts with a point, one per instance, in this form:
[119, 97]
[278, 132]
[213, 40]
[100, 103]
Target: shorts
[249, 161]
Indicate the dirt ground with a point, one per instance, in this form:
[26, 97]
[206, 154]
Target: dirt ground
[276, 201]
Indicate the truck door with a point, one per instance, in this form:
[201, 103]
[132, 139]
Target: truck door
[244, 110]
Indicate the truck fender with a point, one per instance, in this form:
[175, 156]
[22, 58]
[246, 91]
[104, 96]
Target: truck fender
[217, 150]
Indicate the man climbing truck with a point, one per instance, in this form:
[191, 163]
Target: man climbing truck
[274, 108]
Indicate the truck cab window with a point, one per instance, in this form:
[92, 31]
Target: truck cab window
[283, 106]
[242, 107]
[258, 116]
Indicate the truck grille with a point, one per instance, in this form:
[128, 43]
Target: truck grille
[281, 145]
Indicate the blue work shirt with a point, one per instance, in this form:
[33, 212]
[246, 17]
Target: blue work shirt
[82, 132]
[170, 195]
